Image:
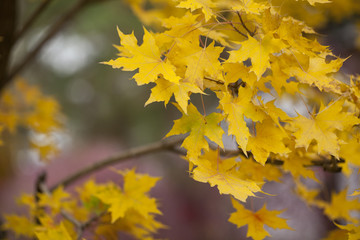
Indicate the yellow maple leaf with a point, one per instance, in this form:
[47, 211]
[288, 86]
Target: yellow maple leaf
[56, 201]
[199, 126]
[134, 195]
[318, 73]
[250, 169]
[222, 172]
[296, 161]
[257, 220]
[269, 138]
[340, 206]
[322, 126]
[312, 2]
[53, 232]
[356, 193]
[205, 6]
[201, 61]
[306, 194]
[146, 57]
[258, 51]
[250, 6]
[337, 234]
[353, 231]
[235, 109]
[20, 225]
[165, 89]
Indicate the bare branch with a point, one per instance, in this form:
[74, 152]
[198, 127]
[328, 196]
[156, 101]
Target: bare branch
[34, 16]
[78, 225]
[8, 12]
[244, 25]
[56, 27]
[166, 144]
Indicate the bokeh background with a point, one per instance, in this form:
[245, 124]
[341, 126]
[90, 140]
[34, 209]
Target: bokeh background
[104, 114]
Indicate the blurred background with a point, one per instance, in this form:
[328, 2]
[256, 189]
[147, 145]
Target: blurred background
[103, 113]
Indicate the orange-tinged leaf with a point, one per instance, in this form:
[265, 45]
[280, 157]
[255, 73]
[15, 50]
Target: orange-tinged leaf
[222, 172]
[257, 220]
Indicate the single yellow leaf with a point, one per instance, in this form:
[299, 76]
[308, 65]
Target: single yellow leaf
[199, 126]
[258, 51]
[146, 57]
[269, 138]
[205, 6]
[165, 89]
[322, 126]
[257, 220]
[222, 172]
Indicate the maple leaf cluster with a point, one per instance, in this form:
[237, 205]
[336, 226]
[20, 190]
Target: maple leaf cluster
[255, 60]
[279, 98]
[128, 209]
[23, 105]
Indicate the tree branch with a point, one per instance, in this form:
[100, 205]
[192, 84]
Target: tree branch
[166, 144]
[56, 27]
[8, 12]
[34, 16]
[170, 144]
[78, 225]
[244, 25]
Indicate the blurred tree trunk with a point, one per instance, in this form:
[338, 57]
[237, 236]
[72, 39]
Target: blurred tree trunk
[7, 32]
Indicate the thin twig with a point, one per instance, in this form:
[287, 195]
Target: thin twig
[34, 16]
[214, 80]
[78, 225]
[233, 26]
[162, 145]
[56, 27]
[244, 25]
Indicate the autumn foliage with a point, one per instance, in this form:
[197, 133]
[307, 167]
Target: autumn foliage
[258, 61]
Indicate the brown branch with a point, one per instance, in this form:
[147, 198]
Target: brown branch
[214, 80]
[78, 225]
[55, 28]
[237, 30]
[166, 144]
[34, 16]
[8, 12]
[169, 144]
[244, 25]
